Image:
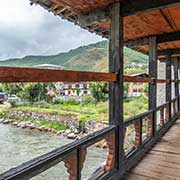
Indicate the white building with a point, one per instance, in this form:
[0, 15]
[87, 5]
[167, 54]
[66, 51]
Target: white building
[67, 89]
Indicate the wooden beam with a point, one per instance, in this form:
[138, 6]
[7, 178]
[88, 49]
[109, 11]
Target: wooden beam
[152, 72]
[94, 17]
[139, 6]
[116, 92]
[169, 51]
[13, 74]
[166, 37]
[129, 8]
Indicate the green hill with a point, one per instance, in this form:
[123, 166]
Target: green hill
[93, 57]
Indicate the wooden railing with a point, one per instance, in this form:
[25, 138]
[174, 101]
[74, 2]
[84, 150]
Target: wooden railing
[141, 131]
[144, 130]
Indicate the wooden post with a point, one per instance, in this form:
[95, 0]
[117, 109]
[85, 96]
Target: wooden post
[176, 85]
[116, 88]
[152, 72]
[152, 102]
[178, 64]
[168, 85]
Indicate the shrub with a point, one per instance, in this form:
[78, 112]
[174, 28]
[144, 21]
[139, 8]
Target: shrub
[13, 103]
[72, 101]
[3, 113]
[42, 105]
[59, 101]
[81, 122]
[87, 100]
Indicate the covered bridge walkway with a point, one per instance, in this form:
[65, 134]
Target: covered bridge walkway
[162, 161]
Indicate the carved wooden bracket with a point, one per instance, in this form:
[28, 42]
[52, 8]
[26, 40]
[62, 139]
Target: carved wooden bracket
[162, 116]
[71, 163]
[167, 113]
[150, 125]
[137, 126]
[110, 162]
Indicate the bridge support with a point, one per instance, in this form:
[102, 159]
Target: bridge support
[168, 85]
[153, 74]
[176, 76]
[116, 88]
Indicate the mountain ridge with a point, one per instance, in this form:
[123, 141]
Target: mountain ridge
[93, 57]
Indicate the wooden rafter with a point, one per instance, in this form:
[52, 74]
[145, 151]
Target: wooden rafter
[162, 38]
[130, 8]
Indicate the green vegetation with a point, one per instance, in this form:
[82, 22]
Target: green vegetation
[93, 57]
[41, 122]
[99, 91]
[3, 112]
[99, 111]
[30, 92]
[47, 110]
[135, 70]
[135, 106]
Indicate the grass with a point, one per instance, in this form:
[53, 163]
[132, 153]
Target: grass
[41, 122]
[50, 110]
[132, 107]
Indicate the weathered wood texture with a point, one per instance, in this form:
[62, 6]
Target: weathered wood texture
[152, 72]
[168, 76]
[176, 77]
[162, 38]
[162, 162]
[116, 89]
[169, 51]
[13, 74]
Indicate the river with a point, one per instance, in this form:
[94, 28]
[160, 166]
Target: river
[20, 145]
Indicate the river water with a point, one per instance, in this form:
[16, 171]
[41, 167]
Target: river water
[20, 145]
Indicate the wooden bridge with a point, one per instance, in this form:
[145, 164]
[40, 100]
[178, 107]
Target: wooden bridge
[148, 26]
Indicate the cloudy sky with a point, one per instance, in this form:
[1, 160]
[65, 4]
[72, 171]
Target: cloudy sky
[31, 30]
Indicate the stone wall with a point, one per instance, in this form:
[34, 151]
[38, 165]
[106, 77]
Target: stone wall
[68, 120]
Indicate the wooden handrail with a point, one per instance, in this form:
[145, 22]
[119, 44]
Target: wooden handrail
[16, 75]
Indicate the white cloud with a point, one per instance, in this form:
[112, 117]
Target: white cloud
[26, 30]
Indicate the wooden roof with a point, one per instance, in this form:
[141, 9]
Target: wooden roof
[142, 18]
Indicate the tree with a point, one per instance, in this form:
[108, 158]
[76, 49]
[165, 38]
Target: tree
[126, 89]
[35, 91]
[99, 91]
[12, 88]
[145, 88]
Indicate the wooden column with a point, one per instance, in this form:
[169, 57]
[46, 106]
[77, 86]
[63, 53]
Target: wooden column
[176, 85]
[168, 76]
[178, 65]
[152, 72]
[116, 88]
[152, 93]
[168, 86]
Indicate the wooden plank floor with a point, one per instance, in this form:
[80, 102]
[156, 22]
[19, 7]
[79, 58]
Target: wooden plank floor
[163, 161]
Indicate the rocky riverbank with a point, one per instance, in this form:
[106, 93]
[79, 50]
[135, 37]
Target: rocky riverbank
[22, 119]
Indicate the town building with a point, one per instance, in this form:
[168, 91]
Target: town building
[136, 89]
[65, 88]
[72, 89]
